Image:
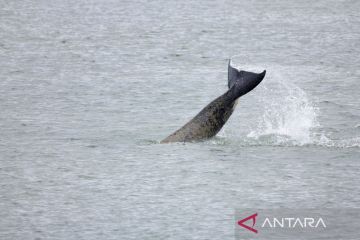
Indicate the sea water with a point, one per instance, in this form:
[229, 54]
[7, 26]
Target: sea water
[89, 88]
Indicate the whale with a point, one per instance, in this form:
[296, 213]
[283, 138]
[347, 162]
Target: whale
[209, 121]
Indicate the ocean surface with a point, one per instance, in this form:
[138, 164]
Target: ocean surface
[89, 88]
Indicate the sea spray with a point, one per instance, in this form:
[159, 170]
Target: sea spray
[288, 114]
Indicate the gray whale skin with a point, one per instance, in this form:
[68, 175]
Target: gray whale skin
[209, 121]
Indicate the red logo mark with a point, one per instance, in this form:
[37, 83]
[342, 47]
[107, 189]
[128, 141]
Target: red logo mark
[253, 217]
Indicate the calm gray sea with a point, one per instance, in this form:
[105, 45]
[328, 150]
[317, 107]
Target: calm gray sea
[89, 88]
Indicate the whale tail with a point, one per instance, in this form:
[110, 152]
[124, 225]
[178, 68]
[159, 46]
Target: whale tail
[243, 82]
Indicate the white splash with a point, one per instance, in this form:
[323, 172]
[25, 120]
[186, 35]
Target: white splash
[288, 115]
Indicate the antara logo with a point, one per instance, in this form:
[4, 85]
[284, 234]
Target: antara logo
[288, 222]
[253, 217]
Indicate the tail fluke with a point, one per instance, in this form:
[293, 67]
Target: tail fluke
[243, 81]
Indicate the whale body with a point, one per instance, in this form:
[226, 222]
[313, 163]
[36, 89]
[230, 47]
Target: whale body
[209, 121]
